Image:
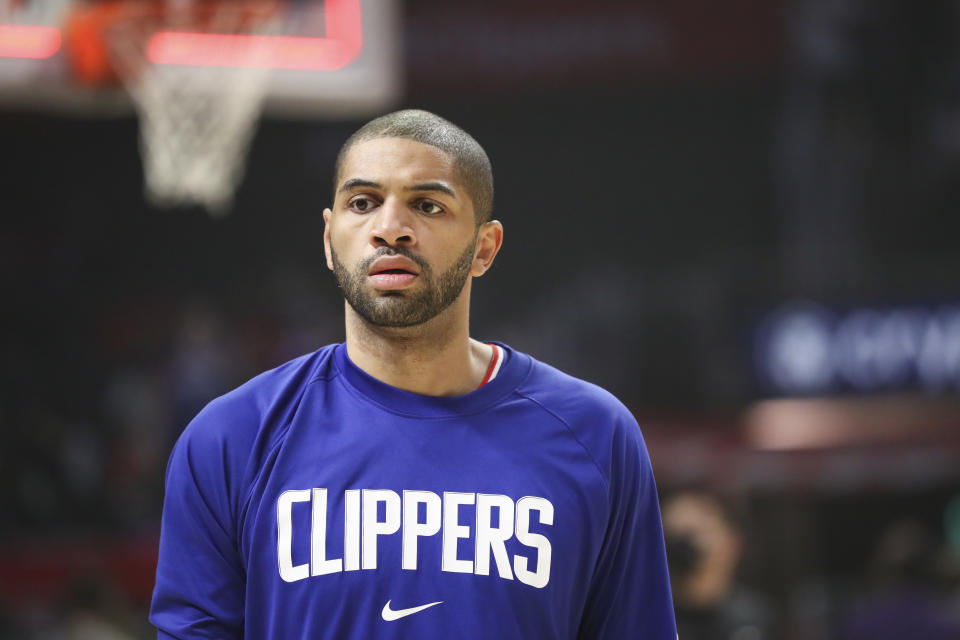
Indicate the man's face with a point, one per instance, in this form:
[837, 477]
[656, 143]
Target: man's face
[401, 238]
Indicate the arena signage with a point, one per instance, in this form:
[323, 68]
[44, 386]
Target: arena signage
[804, 348]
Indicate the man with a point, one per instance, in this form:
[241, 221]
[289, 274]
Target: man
[412, 482]
[705, 543]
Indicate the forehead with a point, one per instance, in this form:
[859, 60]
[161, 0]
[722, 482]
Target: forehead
[386, 160]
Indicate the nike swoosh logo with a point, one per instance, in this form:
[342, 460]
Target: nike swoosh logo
[390, 615]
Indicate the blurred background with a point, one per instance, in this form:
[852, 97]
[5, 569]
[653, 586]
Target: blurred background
[740, 216]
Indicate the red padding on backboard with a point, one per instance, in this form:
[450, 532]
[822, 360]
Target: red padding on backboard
[90, 58]
[342, 44]
[28, 41]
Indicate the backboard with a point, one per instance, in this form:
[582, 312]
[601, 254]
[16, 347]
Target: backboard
[328, 59]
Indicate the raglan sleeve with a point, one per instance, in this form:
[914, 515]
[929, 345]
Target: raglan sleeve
[630, 594]
[199, 590]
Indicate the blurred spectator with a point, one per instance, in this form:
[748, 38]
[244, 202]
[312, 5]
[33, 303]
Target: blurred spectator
[135, 406]
[704, 546]
[907, 599]
[38, 494]
[95, 610]
[202, 363]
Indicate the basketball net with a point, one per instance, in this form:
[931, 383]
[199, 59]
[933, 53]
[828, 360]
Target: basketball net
[196, 122]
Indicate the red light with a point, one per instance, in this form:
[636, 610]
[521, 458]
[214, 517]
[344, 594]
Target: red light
[341, 46]
[28, 41]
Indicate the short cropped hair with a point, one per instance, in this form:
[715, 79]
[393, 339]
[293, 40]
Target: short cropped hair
[470, 162]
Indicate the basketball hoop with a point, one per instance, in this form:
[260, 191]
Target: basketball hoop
[196, 119]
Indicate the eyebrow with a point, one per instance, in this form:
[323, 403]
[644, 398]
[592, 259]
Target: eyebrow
[432, 186]
[354, 183]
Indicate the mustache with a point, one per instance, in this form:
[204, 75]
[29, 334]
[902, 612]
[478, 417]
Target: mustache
[364, 266]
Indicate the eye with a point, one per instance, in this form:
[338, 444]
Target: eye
[428, 207]
[361, 204]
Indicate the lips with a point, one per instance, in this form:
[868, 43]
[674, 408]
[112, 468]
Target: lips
[393, 272]
[394, 265]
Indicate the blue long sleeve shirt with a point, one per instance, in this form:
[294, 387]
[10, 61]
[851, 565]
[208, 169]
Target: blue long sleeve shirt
[318, 502]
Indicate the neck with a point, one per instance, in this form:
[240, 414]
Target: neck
[437, 358]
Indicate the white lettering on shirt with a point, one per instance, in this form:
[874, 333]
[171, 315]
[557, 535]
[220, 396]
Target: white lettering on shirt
[498, 520]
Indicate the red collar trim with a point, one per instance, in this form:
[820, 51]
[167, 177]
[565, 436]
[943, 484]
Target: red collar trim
[492, 369]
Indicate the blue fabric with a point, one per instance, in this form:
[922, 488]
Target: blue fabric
[299, 504]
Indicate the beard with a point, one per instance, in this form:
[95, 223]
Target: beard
[398, 309]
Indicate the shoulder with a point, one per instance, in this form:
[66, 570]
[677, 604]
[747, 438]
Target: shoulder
[249, 417]
[572, 398]
[602, 424]
[220, 451]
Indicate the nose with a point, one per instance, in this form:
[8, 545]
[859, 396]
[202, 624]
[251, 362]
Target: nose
[391, 225]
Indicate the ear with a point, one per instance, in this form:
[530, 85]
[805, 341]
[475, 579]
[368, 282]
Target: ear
[326, 238]
[489, 240]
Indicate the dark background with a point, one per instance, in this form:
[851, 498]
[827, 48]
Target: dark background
[667, 173]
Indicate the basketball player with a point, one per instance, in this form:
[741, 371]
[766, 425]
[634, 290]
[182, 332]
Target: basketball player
[412, 483]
